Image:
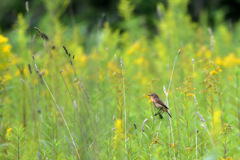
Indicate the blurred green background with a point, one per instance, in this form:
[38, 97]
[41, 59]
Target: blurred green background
[91, 11]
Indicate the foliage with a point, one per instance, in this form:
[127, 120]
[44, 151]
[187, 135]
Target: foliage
[67, 95]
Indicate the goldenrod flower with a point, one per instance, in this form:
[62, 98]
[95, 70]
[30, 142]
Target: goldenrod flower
[81, 59]
[44, 72]
[190, 94]
[217, 119]
[213, 72]
[118, 130]
[24, 72]
[204, 51]
[7, 77]
[219, 61]
[5, 59]
[7, 49]
[135, 47]
[100, 77]
[141, 61]
[149, 100]
[35, 81]
[8, 132]
[219, 69]
[3, 39]
[229, 61]
[118, 126]
[227, 158]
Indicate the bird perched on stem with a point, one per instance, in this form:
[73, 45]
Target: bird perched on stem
[159, 104]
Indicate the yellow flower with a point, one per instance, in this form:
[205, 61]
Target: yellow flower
[141, 61]
[118, 130]
[229, 61]
[112, 67]
[149, 100]
[3, 39]
[190, 94]
[100, 77]
[135, 47]
[213, 72]
[16, 60]
[44, 72]
[7, 77]
[118, 126]
[81, 59]
[25, 72]
[216, 117]
[8, 132]
[219, 69]
[7, 49]
[208, 54]
[204, 51]
[219, 61]
[3, 66]
[227, 158]
[35, 81]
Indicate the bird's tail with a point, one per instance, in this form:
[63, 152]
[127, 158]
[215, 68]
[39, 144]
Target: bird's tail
[169, 114]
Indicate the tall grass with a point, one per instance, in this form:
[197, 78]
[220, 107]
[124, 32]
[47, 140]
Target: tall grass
[83, 102]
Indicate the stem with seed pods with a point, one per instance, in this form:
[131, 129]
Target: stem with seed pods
[65, 122]
[166, 93]
[196, 105]
[125, 110]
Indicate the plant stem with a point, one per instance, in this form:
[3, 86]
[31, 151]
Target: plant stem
[196, 138]
[61, 116]
[18, 148]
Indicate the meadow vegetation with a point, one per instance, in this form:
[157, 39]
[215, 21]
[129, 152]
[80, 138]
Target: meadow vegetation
[69, 94]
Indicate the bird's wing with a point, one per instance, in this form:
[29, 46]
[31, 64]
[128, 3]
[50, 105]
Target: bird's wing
[161, 102]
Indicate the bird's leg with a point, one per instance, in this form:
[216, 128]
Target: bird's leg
[158, 111]
[160, 116]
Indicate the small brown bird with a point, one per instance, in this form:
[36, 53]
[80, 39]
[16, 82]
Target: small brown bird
[159, 103]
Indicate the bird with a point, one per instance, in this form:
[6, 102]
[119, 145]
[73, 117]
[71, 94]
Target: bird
[159, 104]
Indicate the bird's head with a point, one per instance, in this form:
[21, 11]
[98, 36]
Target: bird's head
[154, 95]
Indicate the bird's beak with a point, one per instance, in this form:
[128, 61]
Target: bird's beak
[149, 95]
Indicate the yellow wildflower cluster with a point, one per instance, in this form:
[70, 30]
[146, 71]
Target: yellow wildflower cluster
[5, 59]
[204, 52]
[218, 69]
[230, 60]
[190, 94]
[112, 68]
[141, 61]
[187, 87]
[9, 132]
[227, 158]
[119, 136]
[136, 48]
[81, 60]
[216, 117]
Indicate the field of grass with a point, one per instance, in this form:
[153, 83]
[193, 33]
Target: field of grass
[68, 94]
